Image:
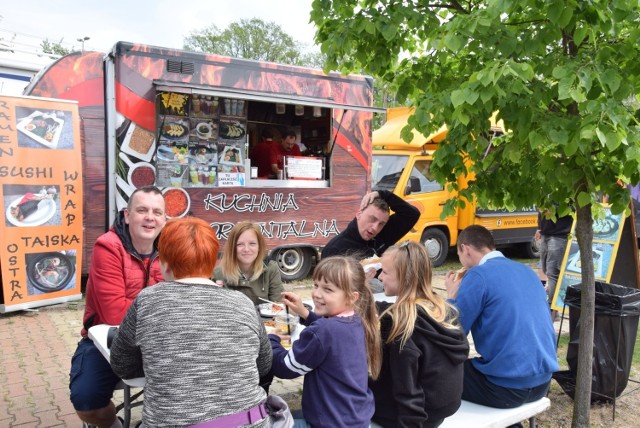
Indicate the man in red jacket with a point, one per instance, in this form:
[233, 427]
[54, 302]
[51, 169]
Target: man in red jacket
[124, 261]
[287, 147]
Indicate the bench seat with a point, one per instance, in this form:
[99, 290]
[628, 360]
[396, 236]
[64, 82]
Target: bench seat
[477, 416]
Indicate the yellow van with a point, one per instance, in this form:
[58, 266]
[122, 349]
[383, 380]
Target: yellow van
[404, 168]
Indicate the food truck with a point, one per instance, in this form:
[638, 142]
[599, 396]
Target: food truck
[403, 168]
[188, 122]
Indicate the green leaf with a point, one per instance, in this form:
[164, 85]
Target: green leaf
[470, 96]
[611, 79]
[555, 11]
[370, 27]
[463, 118]
[577, 95]
[559, 136]
[579, 34]
[601, 136]
[586, 133]
[453, 42]
[633, 153]
[536, 140]
[389, 31]
[565, 17]
[612, 141]
[564, 88]
[570, 148]
[560, 71]
[584, 199]
[457, 98]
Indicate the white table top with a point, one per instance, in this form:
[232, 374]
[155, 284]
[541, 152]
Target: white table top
[381, 297]
[98, 333]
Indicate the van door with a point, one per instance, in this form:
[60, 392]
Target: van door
[422, 191]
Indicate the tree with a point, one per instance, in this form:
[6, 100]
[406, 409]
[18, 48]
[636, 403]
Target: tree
[54, 48]
[250, 39]
[564, 77]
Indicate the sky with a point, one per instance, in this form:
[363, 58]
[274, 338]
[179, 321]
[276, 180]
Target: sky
[163, 23]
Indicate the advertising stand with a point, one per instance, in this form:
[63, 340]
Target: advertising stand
[41, 189]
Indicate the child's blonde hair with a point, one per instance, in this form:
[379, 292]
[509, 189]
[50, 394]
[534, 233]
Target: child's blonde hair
[347, 274]
[413, 270]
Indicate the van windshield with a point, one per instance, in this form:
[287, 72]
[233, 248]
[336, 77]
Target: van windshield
[386, 171]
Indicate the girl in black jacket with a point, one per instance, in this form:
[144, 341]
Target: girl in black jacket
[420, 383]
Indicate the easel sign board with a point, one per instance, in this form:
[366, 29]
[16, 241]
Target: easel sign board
[615, 256]
[305, 168]
[41, 182]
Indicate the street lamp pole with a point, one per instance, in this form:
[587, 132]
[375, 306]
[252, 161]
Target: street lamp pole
[82, 40]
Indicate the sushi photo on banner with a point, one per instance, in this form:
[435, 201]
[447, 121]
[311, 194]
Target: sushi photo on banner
[31, 205]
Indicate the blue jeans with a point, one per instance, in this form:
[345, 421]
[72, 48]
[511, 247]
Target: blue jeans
[300, 422]
[552, 250]
[478, 389]
[91, 380]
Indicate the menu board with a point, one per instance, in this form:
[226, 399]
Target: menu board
[606, 240]
[202, 141]
[303, 167]
[41, 189]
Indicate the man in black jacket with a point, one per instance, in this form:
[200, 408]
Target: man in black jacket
[374, 229]
[553, 237]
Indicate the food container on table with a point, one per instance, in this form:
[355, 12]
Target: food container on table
[286, 323]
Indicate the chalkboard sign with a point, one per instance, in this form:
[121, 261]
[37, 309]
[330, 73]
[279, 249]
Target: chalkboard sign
[615, 256]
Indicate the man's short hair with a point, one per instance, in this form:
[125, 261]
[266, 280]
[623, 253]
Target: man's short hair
[270, 133]
[477, 236]
[144, 189]
[379, 203]
[290, 131]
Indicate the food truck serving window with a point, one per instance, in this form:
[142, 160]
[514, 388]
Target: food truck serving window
[207, 140]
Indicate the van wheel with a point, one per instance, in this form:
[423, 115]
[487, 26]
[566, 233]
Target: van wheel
[294, 263]
[436, 244]
[531, 249]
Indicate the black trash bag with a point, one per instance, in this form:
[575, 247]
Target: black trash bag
[617, 309]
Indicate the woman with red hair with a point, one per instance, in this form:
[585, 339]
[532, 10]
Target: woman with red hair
[202, 347]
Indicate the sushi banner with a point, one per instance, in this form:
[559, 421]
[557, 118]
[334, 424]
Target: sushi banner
[41, 189]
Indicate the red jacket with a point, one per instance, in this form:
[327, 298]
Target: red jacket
[261, 156]
[116, 275]
[279, 153]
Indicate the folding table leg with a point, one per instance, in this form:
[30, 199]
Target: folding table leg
[127, 406]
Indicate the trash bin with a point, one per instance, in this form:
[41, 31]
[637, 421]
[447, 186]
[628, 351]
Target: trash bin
[617, 309]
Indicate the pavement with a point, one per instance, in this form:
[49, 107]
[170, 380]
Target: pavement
[35, 358]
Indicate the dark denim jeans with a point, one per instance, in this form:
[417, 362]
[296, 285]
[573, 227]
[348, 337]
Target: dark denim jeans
[478, 389]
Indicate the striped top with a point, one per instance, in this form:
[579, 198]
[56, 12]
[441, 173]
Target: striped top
[202, 348]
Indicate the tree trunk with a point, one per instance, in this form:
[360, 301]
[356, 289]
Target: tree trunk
[582, 399]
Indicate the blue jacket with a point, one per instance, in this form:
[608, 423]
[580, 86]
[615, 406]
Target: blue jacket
[503, 304]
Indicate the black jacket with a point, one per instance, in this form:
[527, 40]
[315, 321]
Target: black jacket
[423, 381]
[561, 227]
[350, 243]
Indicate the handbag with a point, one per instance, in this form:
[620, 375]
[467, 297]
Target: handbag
[279, 412]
